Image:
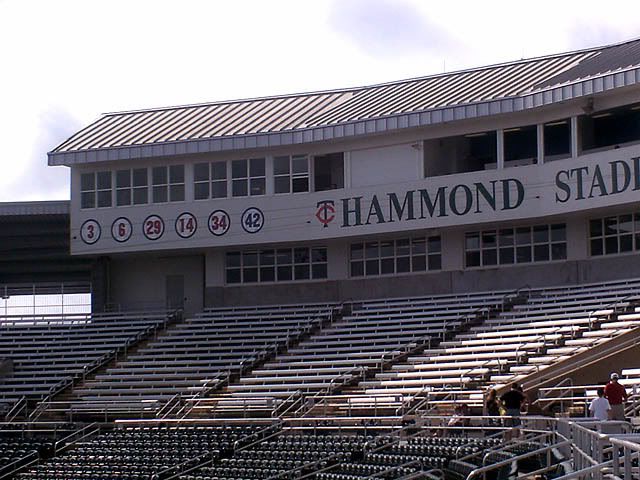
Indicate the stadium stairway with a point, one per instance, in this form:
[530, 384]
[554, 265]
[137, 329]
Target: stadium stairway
[552, 326]
[370, 338]
[184, 364]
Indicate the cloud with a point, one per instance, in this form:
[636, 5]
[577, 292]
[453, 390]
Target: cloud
[38, 181]
[386, 28]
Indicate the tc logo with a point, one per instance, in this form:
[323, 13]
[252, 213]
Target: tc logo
[326, 212]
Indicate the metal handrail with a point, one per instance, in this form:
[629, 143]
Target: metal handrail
[62, 445]
[17, 407]
[300, 397]
[168, 408]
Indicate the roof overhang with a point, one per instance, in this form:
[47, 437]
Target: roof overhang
[344, 131]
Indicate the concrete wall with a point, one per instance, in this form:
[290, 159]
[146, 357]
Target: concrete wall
[378, 166]
[140, 283]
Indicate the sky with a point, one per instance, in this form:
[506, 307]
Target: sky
[65, 62]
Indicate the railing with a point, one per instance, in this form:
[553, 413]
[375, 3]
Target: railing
[170, 407]
[16, 409]
[290, 403]
[610, 306]
[10, 469]
[75, 437]
[207, 386]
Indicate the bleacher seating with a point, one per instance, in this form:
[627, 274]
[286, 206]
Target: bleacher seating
[190, 357]
[51, 351]
[552, 325]
[139, 452]
[374, 333]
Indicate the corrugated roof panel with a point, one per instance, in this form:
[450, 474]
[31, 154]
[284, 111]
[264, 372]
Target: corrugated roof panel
[287, 113]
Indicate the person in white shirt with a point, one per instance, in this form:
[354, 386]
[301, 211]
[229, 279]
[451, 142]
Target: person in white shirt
[600, 407]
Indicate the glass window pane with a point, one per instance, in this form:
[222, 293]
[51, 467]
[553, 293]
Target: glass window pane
[434, 244]
[372, 267]
[541, 253]
[299, 164]
[357, 269]
[159, 175]
[386, 249]
[419, 263]
[610, 244]
[233, 275]
[402, 247]
[472, 259]
[610, 225]
[523, 236]
[219, 189]
[140, 177]
[403, 264]
[387, 266]
[418, 246]
[540, 234]
[284, 256]
[256, 168]
[595, 228]
[301, 255]
[201, 172]
[284, 273]
[371, 250]
[258, 186]
[281, 184]
[472, 241]
[625, 224]
[318, 255]
[87, 200]
[140, 195]
[239, 188]
[357, 250]
[87, 182]
[505, 237]
[176, 193]
[219, 171]
[489, 239]
[159, 194]
[201, 190]
[123, 197]
[506, 255]
[123, 178]
[300, 184]
[626, 243]
[267, 274]
[267, 257]
[523, 254]
[596, 247]
[490, 257]
[319, 270]
[558, 232]
[249, 275]
[176, 173]
[302, 272]
[239, 169]
[435, 262]
[281, 165]
[233, 259]
[104, 198]
[250, 259]
[104, 180]
[558, 251]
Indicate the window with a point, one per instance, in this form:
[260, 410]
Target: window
[328, 171]
[276, 265]
[210, 180]
[387, 257]
[95, 189]
[610, 128]
[520, 146]
[506, 246]
[168, 184]
[291, 174]
[557, 140]
[615, 234]
[131, 187]
[248, 177]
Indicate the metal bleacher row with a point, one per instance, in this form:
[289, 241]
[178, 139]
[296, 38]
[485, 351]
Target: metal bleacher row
[48, 352]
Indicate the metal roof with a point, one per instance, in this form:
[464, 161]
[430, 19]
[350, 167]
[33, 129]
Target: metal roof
[56, 207]
[302, 118]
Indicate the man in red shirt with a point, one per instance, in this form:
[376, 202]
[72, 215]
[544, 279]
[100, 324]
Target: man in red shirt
[617, 395]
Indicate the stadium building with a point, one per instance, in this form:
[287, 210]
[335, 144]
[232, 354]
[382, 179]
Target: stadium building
[394, 248]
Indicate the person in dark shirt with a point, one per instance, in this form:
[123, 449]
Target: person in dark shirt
[513, 401]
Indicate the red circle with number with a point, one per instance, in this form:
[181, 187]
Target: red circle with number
[219, 222]
[90, 232]
[186, 225]
[153, 227]
[121, 229]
